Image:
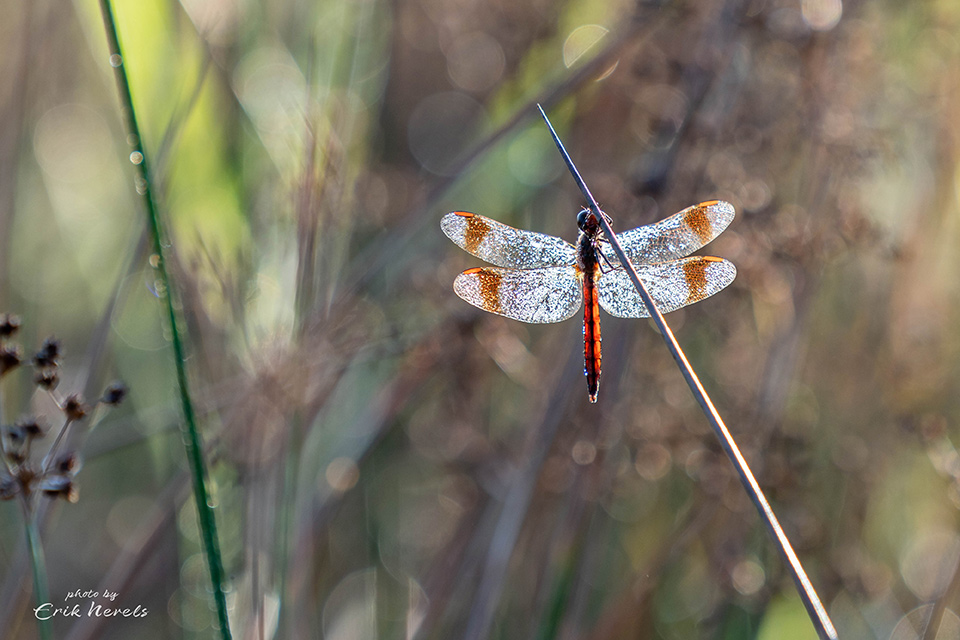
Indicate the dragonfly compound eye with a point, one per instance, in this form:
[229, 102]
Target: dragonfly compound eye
[582, 218]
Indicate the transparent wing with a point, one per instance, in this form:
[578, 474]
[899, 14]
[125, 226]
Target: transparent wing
[504, 246]
[675, 237]
[534, 295]
[671, 284]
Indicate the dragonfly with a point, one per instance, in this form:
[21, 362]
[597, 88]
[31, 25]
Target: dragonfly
[539, 278]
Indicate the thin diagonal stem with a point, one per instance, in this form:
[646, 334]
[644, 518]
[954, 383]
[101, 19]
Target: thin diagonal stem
[191, 435]
[40, 589]
[816, 611]
[52, 453]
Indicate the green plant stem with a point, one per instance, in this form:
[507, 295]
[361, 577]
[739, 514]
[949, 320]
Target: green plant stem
[190, 433]
[556, 607]
[41, 591]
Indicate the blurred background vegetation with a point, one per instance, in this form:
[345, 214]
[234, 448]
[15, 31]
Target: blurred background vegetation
[390, 462]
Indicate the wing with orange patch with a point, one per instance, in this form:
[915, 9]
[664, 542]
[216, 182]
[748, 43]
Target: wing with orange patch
[504, 246]
[532, 295]
[675, 237]
[671, 284]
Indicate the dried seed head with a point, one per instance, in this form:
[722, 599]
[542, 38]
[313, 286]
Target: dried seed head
[25, 475]
[9, 324]
[31, 427]
[15, 434]
[74, 407]
[47, 379]
[58, 486]
[49, 354]
[69, 463]
[10, 358]
[53, 482]
[9, 487]
[114, 393]
[15, 443]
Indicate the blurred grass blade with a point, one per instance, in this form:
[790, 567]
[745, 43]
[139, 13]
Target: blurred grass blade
[516, 506]
[41, 592]
[816, 611]
[191, 436]
[40, 589]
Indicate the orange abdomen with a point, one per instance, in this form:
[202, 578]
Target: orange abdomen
[591, 336]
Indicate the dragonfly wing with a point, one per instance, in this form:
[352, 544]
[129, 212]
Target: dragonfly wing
[504, 246]
[677, 236]
[671, 284]
[533, 295]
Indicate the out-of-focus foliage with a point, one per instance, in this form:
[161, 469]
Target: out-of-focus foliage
[390, 462]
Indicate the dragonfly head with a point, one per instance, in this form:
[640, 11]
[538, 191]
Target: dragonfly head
[586, 220]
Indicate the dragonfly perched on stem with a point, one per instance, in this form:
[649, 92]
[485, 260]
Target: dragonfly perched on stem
[540, 278]
[533, 267]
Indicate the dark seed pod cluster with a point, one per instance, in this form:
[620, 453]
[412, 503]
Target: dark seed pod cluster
[10, 353]
[24, 475]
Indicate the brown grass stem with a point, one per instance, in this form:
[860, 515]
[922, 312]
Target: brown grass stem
[811, 601]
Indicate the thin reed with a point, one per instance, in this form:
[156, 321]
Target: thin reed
[811, 601]
[167, 292]
[389, 461]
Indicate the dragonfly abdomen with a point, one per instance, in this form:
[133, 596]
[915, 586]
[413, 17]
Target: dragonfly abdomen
[591, 336]
[588, 262]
